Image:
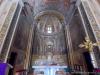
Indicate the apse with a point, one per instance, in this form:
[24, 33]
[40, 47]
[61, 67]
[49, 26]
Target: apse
[49, 41]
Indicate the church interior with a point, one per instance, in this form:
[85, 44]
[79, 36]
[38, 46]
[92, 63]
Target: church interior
[49, 37]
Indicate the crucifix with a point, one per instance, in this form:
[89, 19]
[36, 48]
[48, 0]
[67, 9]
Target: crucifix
[88, 44]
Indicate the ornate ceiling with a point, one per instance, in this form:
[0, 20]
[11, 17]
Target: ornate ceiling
[53, 5]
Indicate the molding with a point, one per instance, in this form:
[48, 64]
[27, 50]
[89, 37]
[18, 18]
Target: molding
[49, 12]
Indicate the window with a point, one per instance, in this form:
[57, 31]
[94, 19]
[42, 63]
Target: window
[49, 29]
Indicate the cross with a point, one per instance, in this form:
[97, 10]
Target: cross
[88, 44]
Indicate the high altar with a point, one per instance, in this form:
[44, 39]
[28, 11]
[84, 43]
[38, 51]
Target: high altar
[48, 65]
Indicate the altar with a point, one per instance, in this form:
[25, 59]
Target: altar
[50, 64]
[50, 70]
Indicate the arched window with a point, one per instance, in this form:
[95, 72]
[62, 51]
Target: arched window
[49, 29]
